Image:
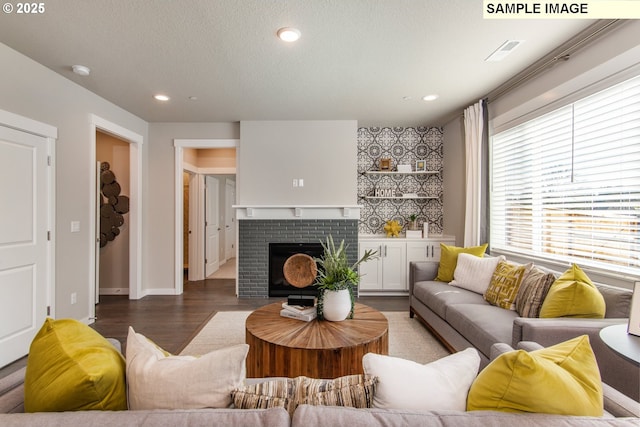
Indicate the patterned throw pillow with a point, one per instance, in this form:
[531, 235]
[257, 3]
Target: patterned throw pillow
[505, 282]
[276, 393]
[532, 292]
[351, 390]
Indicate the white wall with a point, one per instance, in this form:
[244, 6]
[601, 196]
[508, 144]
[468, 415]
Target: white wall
[32, 90]
[273, 153]
[160, 242]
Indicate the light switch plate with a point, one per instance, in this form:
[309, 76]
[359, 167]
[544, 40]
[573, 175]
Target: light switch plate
[75, 226]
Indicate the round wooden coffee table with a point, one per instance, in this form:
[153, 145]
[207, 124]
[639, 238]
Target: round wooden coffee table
[283, 347]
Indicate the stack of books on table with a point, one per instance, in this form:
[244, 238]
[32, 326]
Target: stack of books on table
[298, 312]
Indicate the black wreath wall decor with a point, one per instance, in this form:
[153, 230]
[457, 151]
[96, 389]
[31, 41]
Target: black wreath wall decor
[112, 205]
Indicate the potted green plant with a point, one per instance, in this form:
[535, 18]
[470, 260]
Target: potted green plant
[412, 221]
[337, 280]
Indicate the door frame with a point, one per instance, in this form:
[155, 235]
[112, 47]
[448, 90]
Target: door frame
[179, 146]
[135, 203]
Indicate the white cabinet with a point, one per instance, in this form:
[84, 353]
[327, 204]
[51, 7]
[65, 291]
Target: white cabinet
[390, 272]
[425, 249]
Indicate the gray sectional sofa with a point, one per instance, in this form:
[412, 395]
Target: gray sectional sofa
[620, 412]
[461, 318]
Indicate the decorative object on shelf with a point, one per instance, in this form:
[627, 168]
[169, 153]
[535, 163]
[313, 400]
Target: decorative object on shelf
[404, 168]
[113, 209]
[412, 222]
[383, 192]
[385, 164]
[409, 195]
[634, 313]
[414, 234]
[421, 165]
[337, 280]
[392, 228]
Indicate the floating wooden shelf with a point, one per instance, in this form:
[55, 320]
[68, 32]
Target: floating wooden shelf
[401, 173]
[400, 197]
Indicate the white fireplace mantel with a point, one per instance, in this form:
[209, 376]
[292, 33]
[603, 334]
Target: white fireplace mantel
[297, 211]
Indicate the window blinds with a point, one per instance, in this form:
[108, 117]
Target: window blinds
[566, 185]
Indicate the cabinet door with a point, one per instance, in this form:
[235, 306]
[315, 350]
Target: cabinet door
[419, 251]
[436, 247]
[394, 266]
[370, 271]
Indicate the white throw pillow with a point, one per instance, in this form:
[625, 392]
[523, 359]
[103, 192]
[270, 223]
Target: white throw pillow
[474, 273]
[158, 380]
[440, 385]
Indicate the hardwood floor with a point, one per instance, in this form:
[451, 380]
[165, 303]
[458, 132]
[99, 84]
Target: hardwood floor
[173, 321]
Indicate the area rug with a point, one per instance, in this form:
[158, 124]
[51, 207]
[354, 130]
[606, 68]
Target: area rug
[408, 338]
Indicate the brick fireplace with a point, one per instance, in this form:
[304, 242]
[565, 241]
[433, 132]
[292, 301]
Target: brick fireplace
[254, 236]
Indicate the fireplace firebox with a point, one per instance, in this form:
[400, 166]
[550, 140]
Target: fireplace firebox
[278, 255]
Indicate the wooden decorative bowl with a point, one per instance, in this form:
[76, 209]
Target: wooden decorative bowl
[300, 270]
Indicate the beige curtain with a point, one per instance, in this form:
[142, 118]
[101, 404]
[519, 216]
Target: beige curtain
[473, 131]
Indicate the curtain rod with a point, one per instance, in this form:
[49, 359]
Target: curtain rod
[561, 53]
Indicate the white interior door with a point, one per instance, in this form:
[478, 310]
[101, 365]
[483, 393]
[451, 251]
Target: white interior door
[193, 273]
[212, 225]
[230, 220]
[24, 211]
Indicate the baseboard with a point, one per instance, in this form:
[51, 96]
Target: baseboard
[114, 291]
[160, 291]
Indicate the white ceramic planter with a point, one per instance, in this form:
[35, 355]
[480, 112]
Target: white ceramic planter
[336, 305]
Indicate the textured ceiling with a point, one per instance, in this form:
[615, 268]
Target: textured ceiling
[356, 59]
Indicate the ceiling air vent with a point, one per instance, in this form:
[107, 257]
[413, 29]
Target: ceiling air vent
[504, 50]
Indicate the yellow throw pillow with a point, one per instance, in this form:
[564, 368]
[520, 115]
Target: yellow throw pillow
[504, 285]
[71, 367]
[449, 259]
[573, 295]
[562, 379]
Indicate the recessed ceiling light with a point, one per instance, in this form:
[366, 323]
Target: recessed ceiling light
[81, 70]
[193, 98]
[160, 97]
[431, 97]
[288, 34]
[407, 98]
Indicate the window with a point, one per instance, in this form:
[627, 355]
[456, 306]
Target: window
[566, 185]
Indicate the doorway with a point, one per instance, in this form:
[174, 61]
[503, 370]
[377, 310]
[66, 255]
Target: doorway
[113, 189]
[134, 142]
[184, 160]
[208, 221]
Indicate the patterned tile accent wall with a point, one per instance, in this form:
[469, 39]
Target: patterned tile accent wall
[402, 146]
[255, 235]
